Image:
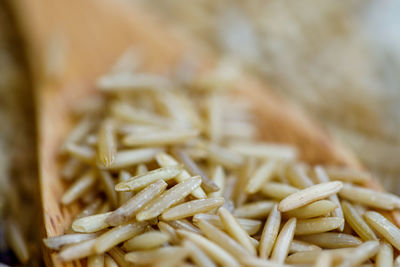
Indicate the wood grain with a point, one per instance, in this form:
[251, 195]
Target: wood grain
[95, 33]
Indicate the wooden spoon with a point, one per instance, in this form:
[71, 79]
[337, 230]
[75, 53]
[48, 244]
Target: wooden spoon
[93, 34]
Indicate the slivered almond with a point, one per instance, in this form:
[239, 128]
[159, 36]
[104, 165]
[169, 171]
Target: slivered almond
[308, 195]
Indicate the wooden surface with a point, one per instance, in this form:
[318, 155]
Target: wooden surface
[95, 33]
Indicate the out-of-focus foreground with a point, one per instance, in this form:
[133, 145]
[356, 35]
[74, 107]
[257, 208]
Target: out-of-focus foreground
[19, 194]
[339, 60]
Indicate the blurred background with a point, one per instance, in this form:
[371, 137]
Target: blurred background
[338, 60]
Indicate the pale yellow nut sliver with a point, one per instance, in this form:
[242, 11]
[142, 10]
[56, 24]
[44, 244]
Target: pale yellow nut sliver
[148, 240]
[308, 195]
[117, 235]
[357, 223]
[107, 144]
[140, 181]
[90, 224]
[270, 232]
[282, 243]
[317, 225]
[315, 209]
[384, 227]
[191, 208]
